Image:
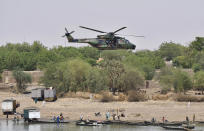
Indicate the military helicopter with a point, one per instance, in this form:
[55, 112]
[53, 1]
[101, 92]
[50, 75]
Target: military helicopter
[107, 41]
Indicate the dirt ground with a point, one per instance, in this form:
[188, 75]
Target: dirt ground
[72, 108]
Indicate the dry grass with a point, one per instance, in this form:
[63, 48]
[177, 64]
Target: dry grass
[103, 97]
[160, 97]
[121, 97]
[187, 98]
[107, 97]
[84, 95]
[134, 96]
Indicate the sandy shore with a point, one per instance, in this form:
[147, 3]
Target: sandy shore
[72, 108]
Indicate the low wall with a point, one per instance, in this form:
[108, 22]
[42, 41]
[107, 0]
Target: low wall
[7, 77]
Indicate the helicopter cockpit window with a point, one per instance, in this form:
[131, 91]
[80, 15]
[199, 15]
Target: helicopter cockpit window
[126, 41]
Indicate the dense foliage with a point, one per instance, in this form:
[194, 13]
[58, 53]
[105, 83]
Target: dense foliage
[21, 80]
[36, 56]
[170, 50]
[199, 81]
[171, 78]
[78, 69]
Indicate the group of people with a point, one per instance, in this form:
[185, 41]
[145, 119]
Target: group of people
[107, 115]
[115, 116]
[187, 119]
[59, 118]
[164, 120]
[16, 117]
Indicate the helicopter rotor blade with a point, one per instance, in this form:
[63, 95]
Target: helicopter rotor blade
[137, 35]
[119, 30]
[131, 35]
[66, 30]
[92, 29]
[71, 32]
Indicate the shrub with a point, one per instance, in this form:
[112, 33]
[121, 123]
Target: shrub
[0, 77]
[196, 67]
[165, 90]
[121, 97]
[83, 95]
[199, 81]
[131, 80]
[106, 97]
[187, 98]
[160, 97]
[136, 96]
[22, 79]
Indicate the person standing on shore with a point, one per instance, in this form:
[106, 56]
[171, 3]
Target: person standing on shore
[107, 115]
[193, 118]
[163, 119]
[187, 120]
[36, 100]
[58, 119]
[81, 117]
[61, 117]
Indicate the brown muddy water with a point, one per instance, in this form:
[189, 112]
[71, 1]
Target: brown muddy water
[21, 126]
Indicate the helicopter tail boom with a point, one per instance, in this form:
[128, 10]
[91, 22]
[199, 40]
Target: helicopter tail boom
[69, 36]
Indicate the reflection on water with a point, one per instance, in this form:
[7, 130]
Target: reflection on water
[21, 126]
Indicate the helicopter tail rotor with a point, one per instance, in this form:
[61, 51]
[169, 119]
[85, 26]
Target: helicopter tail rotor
[68, 35]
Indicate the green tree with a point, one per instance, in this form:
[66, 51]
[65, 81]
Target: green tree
[166, 78]
[37, 47]
[197, 44]
[78, 70]
[28, 61]
[182, 61]
[114, 69]
[152, 58]
[196, 67]
[199, 81]
[131, 80]
[89, 52]
[115, 55]
[170, 50]
[67, 76]
[97, 81]
[144, 64]
[13, 60]
[174, 78]
[199, 61]
[148, 72]
[21, 79]
[182, 81]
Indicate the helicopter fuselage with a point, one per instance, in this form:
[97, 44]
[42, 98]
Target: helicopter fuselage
[109, 41]
[105, 44]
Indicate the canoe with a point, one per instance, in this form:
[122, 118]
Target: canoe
[175, 128]
[47, 122]
[170, 124]
[188, 126]
[84, 123]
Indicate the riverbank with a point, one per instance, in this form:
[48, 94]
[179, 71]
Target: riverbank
[72, 108]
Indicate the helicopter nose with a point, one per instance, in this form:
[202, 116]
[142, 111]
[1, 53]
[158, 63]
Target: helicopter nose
[133, 46]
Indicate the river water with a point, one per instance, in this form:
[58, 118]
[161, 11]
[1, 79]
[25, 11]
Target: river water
[21, 126]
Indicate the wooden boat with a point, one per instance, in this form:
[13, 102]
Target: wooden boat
[188, 126]
[47, 122]
[51, 121]
[176, 128]
[88, 123]
[170, 124]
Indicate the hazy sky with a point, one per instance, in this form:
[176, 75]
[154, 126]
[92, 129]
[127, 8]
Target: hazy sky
[44, 20]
